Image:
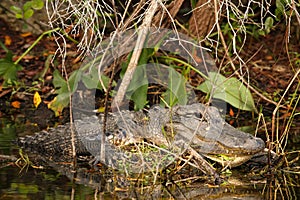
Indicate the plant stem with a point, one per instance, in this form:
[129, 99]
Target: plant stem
[33, 45]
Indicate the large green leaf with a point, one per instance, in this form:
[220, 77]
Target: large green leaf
[140, 97]
[176, 91]
[230, 90]
[138, 87]
[8, 70]
[63, 98]
[91, 80]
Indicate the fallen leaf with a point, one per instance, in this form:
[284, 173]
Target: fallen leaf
[25, 34]
[231, 113]
[37, 99]
[7, 40]
[16, 104]
[56, 106]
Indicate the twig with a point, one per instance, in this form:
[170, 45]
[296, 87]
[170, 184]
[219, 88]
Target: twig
[232, 65]
[277, 107]
[143, 30]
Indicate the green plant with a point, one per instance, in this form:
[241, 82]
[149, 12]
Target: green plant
[64, 89]
[230, 90]
[8, 70]
[28, 9]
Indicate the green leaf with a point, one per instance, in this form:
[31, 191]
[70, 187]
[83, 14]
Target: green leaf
[74, 78]
[268, 24]
[230, 90]
[139, 97]
[279, 6]
[176, 91]
[37, 4]
[91, 80]
[28, 13]
[27, 6]
[61, 83]
[16, 9]
[59, 103]
[8, 70]
[58, 80]
[63, 98]
[138, 87]
[19, 16]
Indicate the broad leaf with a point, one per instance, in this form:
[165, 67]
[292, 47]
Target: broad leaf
[176, 91]
[140, 97]
[37, 4]
[230, 90]
[8, 70]
[59, 103]
[91, 80]
[138, 87]
[16, 9]
[28, 13]
[63, 98]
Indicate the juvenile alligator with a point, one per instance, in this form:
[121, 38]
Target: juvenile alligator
[195, 128]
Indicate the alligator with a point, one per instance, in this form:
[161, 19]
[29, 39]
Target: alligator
[146, 139]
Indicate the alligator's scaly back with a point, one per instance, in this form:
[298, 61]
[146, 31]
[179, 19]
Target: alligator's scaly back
[194, 127]
[55, 143]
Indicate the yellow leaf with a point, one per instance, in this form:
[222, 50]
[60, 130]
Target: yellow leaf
[36, 99]
[7, 40]
[56, 107]
[101, 109]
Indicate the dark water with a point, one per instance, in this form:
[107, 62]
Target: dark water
[59, 183]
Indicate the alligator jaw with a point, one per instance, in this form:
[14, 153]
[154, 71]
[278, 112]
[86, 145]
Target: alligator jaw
[230, 161]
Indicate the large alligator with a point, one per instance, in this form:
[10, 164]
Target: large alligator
[145, 140]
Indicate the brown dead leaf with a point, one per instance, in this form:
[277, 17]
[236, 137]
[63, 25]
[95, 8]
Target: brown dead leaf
[77, 59]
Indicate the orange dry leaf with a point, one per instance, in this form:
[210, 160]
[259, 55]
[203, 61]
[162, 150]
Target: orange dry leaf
[16, 104]
[231, 113]
[25, 34]
[36, 99]
[7, 40]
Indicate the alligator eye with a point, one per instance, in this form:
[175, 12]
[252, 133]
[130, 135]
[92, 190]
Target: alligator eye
[199, 115]
[108, 133]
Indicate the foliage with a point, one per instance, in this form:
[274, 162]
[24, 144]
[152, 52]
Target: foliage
[66, 88]
[230, 90]
[9, 69]
[137, 89]
[176, 92]
[28, 9]
[173, 81]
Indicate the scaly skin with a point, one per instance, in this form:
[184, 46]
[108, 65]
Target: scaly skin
[195, 128]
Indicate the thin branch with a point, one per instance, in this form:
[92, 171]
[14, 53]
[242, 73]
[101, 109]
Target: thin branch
[232, 65]
[143, 30]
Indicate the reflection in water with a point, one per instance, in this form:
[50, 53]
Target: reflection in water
[60, 181]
